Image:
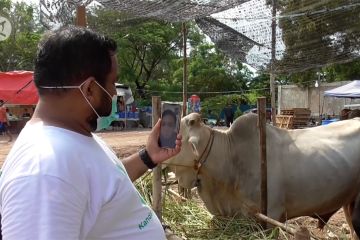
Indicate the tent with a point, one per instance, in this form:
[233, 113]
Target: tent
[350, 90]
[18, 88]
[125, 91]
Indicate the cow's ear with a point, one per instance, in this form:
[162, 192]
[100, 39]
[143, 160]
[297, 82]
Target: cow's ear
[193, 121]
[194, 143]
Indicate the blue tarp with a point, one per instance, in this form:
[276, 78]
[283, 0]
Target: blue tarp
[350, 90]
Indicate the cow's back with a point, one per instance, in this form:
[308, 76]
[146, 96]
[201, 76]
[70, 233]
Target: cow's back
[318, 167]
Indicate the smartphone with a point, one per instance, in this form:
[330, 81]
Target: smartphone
[170, 124]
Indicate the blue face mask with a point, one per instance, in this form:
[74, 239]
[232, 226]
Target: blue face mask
[102, 122]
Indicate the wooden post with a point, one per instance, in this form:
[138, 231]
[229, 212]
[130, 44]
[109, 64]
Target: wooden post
[81, 16]
[156, 181]
[300, 233]
[184, 69]
[272, 62]
[184, 192]
[261, 108]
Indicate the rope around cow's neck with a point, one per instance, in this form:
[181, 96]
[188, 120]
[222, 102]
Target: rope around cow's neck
[198, 163]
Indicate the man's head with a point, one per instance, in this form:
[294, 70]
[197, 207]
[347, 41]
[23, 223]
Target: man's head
[168, 123]
[75, 72]
[69, 56]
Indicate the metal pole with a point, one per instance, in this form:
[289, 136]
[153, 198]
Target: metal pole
[261, 106]
[156, 181]
[272, 63]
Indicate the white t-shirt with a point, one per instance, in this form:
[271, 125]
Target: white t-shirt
[58, 184]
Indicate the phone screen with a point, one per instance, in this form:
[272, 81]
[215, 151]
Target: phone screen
[170, 125]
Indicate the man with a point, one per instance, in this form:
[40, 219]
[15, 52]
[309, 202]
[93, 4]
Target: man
[26, 114]
[60, 181]
[229, 114]
[4, 121]
[168, 132]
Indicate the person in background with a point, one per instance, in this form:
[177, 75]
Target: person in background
[229, 114]
[62, 181]
[26, 114]
[121, 104]
[4, 120]
[9, 115]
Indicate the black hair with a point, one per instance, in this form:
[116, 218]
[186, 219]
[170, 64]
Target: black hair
[170, 113]
[68, 56]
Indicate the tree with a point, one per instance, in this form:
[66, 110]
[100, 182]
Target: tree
[259, 86]
[19, 50]
[145, 47]
[211, 71]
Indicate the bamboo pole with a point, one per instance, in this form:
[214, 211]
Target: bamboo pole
[300, 233]
[156, 180]
[261, 107]
[176, 195]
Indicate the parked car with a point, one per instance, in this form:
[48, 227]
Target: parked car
[254, 110]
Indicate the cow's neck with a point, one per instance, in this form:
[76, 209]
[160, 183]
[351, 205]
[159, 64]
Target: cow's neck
[223, 176]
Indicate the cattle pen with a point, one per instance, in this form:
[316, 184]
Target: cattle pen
[189, 218]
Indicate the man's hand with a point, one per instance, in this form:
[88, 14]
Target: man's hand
[157, 153]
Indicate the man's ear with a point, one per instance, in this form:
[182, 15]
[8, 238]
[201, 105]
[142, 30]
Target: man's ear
[88, 88]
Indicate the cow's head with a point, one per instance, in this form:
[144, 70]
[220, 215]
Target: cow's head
[195, 136]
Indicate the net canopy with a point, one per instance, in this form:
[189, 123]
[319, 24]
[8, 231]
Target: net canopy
[309, 33]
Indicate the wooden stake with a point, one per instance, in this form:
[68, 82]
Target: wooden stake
[284, 227]
[272, 63]
[261, 109]
[185, 192]
[156, 181]
[176, 195]
[81, 16]
[184, 69]
[300, 233]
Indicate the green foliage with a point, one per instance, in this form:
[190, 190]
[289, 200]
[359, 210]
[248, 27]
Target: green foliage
[259, 86]
[343, 72]
[217, 104]
[209, 70]
[145, 48]
[19, 50]
[319, 38]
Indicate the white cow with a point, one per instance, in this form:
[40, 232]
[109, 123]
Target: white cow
[311, 172]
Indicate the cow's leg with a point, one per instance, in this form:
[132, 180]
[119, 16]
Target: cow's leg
[353, 225]
[355, 216]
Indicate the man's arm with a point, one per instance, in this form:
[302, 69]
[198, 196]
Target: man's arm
[135, 167]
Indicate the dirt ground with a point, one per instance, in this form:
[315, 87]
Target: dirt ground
[127, 142]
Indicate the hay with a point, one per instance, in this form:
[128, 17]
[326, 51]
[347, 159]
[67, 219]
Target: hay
[191, 220]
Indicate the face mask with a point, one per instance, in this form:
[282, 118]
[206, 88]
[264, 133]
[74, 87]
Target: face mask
[102, 122]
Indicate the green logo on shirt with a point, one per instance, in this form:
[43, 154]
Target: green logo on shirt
[143, 224]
